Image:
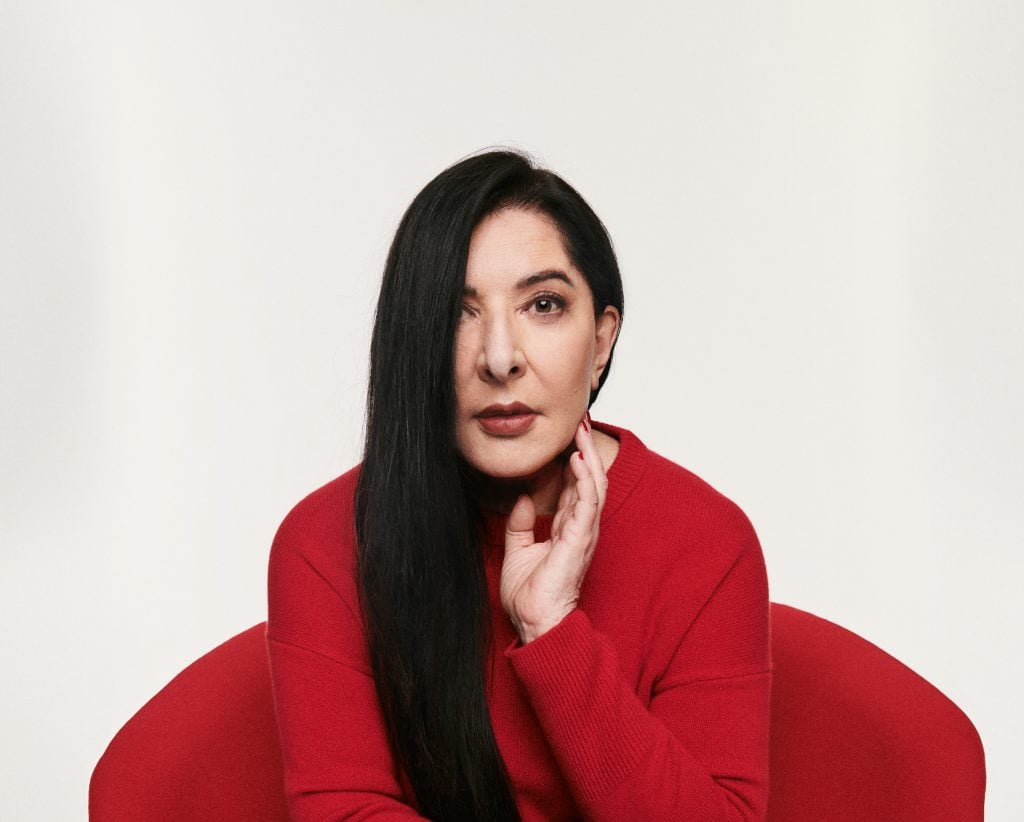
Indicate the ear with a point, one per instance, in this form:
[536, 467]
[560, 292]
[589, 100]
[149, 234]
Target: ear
[606, 329]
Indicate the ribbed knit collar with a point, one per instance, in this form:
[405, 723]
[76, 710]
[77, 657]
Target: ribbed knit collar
[626, 470]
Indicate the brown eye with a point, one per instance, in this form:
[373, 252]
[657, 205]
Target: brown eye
[549, 304]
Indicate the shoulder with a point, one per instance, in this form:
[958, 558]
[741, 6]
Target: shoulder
[644, 484]
[320, 527]
[681, 494]
[312, 599]
[680, 517]
[709, 529]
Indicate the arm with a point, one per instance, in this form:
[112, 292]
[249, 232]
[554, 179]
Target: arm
[700, 750]
[338, 764]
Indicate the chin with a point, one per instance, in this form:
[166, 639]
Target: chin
[510, 461]
[509, 469]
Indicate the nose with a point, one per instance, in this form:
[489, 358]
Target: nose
[501, 356]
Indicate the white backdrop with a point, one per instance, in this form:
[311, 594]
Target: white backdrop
[819, 217]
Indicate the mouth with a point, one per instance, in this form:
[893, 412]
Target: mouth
[513, 409]
[507, 420]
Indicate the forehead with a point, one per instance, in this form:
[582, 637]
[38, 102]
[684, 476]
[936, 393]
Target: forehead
[511, 244]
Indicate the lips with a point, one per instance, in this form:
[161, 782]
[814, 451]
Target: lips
[512, 409]
[507, 420]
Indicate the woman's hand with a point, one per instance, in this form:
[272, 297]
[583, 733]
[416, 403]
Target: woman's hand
[540, 581]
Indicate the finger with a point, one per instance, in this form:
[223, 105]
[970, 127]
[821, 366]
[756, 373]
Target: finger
[564, 499]
[519, 529]
[585, 442]
[592, 462]
[587, 504]
[574, 546]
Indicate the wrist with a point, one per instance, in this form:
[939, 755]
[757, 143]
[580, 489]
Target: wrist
[529, 631]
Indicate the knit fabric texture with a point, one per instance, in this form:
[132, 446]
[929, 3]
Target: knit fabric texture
[649, 701]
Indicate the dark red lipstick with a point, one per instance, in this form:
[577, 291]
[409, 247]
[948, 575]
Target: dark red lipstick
[506, 420]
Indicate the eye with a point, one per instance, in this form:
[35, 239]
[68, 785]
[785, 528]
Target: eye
[548, 304]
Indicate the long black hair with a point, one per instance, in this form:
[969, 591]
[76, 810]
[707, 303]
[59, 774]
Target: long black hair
[420, 568]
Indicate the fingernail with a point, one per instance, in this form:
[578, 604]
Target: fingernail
[588, 418]
[585, 426]
[579, 454]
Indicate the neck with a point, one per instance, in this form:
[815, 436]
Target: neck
[500, 493]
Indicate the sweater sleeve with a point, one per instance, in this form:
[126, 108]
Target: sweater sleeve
[699, 751]
[338, 763]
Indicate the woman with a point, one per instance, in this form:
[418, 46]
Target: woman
[509, 611]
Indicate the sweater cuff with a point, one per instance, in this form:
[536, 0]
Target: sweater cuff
[596, 726]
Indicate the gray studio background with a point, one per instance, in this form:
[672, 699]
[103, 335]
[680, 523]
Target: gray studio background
[818, 210]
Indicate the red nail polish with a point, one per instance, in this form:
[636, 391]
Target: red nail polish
[588, 418]
[585, 426]
[579, 454]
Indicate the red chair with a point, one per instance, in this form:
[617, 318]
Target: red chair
[205, 748]
[856, 735]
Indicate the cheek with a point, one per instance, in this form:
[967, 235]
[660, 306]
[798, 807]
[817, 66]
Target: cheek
[464, 364]
[564, 365]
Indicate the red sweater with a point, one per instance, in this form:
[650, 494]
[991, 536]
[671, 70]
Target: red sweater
[649, 701]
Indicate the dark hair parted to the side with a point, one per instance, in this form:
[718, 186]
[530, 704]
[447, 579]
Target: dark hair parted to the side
[420, 567]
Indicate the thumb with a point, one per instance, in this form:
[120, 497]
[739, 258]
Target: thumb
[519, 531]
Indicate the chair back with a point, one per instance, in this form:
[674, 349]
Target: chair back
[204, 749]
[856, 736]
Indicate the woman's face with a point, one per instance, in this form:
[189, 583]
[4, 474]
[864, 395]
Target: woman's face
[527, 335]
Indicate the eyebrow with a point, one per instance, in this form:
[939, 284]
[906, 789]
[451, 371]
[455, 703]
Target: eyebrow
[529, 280]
